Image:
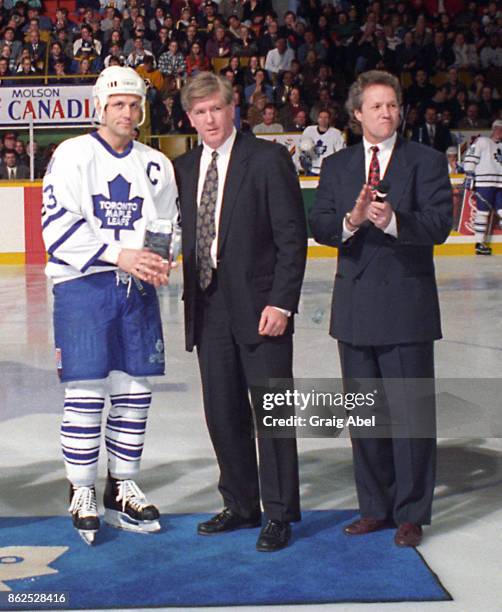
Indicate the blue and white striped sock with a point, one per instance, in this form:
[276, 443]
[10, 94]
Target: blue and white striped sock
[81, 431]
[126, 424]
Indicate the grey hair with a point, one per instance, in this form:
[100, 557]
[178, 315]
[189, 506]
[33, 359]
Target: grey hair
[205, 85]
[364, 80]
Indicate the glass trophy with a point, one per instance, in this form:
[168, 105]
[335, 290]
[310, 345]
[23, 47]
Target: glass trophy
[158, 237]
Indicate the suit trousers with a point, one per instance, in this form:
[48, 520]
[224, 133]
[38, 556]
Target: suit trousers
[395, 475]
[228, 369]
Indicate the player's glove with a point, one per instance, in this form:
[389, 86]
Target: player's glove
[469, 181]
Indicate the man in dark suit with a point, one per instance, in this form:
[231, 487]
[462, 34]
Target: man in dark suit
[420, 91]
[37, 49]
[432, 133]
[11, 170]
[244, 250]
[385, 311]
[438, 55]
[472, 121]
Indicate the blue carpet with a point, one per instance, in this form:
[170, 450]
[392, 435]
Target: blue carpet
[178, 568]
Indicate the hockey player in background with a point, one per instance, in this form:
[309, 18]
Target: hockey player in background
[483, 164]
[454, 166]
[100, 192]
[323, 140]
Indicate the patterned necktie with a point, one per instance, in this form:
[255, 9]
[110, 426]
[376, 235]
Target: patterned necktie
[206, 227]
[374, 174]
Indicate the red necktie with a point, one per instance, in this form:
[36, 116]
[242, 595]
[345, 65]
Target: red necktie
[374, 174]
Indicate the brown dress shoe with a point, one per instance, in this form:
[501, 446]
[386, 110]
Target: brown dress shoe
[365, 525]
[408, 534]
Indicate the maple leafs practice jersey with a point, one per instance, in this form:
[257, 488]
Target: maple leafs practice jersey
[326, 143]
[484, 160]
[96, 201]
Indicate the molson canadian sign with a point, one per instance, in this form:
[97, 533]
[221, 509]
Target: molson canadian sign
[47, 105]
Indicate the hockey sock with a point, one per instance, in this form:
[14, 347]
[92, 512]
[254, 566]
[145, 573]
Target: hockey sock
[126, 424]
[481, 225]
[81, 430]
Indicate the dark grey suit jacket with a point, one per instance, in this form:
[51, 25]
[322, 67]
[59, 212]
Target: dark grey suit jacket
[442, 137]
[22, 172]
[262, 239]
[385, 289]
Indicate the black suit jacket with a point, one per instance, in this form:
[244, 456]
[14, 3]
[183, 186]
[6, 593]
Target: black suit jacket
[442, 137]
[385, 289]
[432, 55]
[40, 52]
[262, 239]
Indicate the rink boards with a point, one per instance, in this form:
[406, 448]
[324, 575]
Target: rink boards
[21, 240]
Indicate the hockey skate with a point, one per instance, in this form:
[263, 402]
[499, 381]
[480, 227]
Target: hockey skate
[126, 507]
[482, 249]
[84, 512]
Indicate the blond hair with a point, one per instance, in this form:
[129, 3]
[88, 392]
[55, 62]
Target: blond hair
[203, 85]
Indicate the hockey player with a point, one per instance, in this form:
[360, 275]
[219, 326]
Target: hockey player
[327, 140]
[100, 192]
[483, 164]
[454, 166]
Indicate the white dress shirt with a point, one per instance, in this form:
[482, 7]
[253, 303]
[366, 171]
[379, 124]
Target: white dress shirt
[431, 129]
[222, 162]
[384, 154]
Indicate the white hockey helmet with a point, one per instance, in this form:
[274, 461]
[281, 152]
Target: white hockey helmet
[307, 144]
[118, 80]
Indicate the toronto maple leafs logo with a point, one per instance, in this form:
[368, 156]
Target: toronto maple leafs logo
[498, 155]
[320, 148]
[117, 211]
[18, 562]
[158, 356]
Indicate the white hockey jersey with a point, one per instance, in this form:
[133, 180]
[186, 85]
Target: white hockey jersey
[325, 144]
[96, 201]
[484, 160]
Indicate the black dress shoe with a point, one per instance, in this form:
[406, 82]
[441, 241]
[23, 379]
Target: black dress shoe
[227, 520]
[274, 536]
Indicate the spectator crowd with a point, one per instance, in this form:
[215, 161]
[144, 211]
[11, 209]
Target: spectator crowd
[285, 66]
